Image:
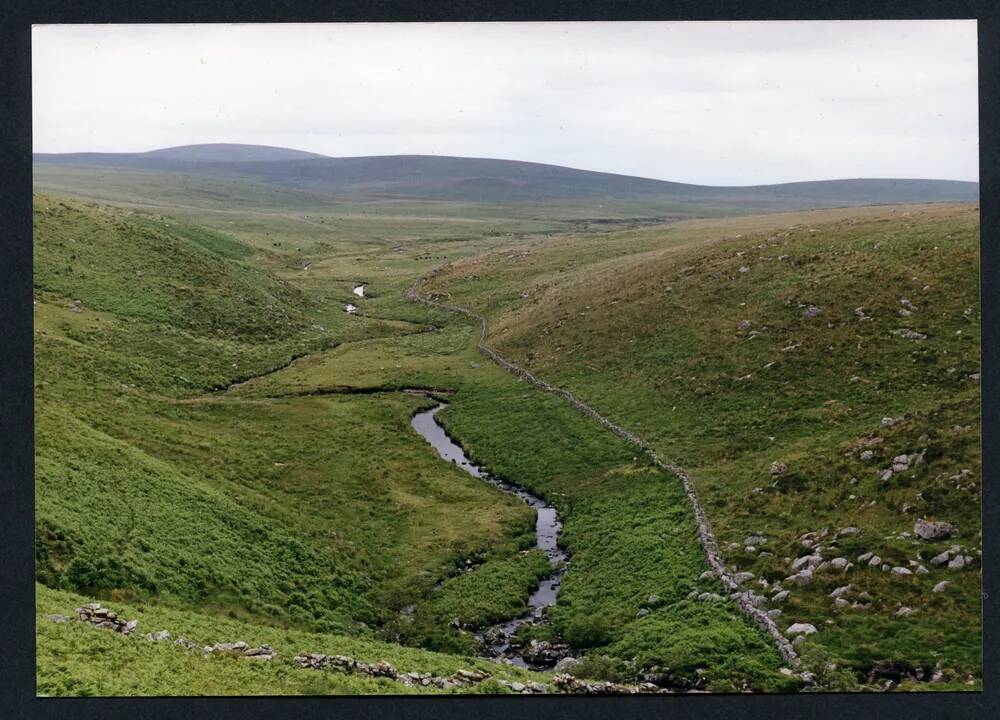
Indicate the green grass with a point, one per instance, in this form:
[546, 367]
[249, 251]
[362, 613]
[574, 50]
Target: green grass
[645, 328]
[76, 659]
[283, 508]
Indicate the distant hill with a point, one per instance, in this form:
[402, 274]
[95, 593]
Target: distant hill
[155, 159]
[430, 177]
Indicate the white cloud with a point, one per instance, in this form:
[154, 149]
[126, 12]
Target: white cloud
[719, 103]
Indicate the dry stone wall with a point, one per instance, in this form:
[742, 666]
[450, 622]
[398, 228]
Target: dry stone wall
[748, 601]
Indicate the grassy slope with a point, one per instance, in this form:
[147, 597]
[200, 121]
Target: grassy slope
[644, 326]
[628, 527]
[76, 659]
[269, 511]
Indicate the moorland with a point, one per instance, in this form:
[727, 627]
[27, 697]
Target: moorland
[231, 341]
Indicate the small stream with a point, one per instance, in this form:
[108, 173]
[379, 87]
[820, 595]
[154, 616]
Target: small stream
[547, 528]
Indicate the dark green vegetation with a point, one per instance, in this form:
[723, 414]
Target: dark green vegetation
[222, 450]
[646, 326]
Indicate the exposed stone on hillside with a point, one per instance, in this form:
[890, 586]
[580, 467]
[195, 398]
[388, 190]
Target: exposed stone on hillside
[800, 629]
[576, 686]
[105, 619]
[933, 530]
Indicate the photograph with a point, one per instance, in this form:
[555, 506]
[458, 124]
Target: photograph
[506, 358]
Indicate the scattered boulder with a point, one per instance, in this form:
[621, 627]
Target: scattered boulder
[898, 570]
[842, 590]
[932, 529]
[158, 636]
[105, 619]
[908, 334]
[56, 618]
[744, 325]
[780, 596]
[903, 612]
[803, 578]
[779, 468]
[807, 561]
[566, 664]
[866, 455]
[941, 586]
[800, 629]
[957, 563]
[942, 558]
[812, 311]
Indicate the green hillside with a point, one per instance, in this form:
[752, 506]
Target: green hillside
[224, 452]
[732, 345]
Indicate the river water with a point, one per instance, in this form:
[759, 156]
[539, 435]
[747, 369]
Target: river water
[547, 528]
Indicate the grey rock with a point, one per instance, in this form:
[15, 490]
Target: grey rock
[903, 612]
[908, 334]
[775, 613]
[812, 311]
[643, 612]
[779, 468]
[566, 664]
[875, 561]
[56, 618]
[842, 590]
[744, 325]
[957, 563]
[803, 578]
[941, 586]
[865, 557]
[740, 578]
[942, 558]
[898, 570]
[841, 602]
[888, 422]
[867, 455]
[800, 629]
[932, 529]
[807, 561]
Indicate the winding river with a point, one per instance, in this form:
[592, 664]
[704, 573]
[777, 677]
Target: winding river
[547, 528]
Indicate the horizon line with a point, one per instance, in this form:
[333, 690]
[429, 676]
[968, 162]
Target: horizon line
[323, 156]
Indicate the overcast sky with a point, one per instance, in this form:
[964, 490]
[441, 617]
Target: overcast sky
[714, 103]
